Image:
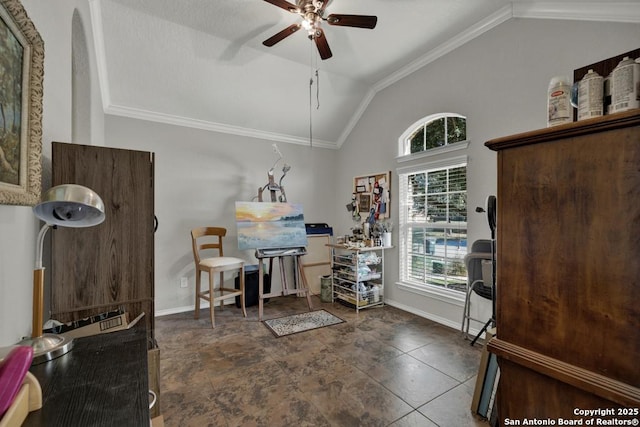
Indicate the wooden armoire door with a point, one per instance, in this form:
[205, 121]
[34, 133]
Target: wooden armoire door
[568, 274]
[109, 266]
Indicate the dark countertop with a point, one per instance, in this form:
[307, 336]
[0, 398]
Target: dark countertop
[102, 381]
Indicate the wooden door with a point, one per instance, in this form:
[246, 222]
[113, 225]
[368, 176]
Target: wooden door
[108, 266]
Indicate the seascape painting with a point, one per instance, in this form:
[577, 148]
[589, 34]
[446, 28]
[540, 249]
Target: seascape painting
[263, 225]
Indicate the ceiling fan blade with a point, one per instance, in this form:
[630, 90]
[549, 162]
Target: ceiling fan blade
[322, 44]
[360, 21]
[285, 5]
[281, 35]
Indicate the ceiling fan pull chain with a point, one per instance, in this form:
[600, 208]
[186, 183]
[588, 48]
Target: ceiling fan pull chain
[317, 89]
[310, 116]
[310, 112]
[311, 58]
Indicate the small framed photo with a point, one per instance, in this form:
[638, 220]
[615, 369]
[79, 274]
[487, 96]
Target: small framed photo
[364, 201]
[361, 189]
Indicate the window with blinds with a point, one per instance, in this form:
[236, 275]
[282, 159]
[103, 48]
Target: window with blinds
[433, 218]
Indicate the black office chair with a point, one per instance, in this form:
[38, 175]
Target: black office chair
[479, 264]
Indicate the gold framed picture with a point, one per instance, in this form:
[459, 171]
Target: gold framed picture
[22, 69]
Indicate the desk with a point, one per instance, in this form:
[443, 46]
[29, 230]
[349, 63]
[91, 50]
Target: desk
[102, 381]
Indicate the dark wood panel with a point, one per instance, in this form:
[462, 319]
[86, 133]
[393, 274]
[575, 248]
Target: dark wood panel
[575, 268]
[543, 397]
[111, 264]
[617, 392]
[102, 381]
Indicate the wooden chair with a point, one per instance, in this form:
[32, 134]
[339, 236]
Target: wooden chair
[206, 238]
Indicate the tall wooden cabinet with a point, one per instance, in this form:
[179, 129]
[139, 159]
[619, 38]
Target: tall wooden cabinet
[568, 269]
[109, 266]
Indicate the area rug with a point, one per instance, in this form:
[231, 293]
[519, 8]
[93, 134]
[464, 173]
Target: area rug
[297, 323]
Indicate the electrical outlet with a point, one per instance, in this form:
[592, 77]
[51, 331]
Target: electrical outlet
[184, 282]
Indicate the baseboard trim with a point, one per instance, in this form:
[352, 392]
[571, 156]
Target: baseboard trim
[438, 319]
[176, 310]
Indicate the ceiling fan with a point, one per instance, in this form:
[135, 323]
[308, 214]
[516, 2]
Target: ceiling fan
[312, 13]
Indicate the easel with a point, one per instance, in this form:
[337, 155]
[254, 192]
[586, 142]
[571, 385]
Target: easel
[303, 289]
[273, 188]
[296, 253]
[271, 183]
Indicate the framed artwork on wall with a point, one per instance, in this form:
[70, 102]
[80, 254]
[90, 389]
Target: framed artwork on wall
[22, 69]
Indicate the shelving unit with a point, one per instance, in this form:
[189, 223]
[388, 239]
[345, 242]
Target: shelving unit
[358, 276]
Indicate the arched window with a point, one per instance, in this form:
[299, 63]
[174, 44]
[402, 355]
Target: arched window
[434, 131]
[433, 204]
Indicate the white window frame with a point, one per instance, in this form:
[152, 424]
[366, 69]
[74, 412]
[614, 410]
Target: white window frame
[443, 157]
[404, 144]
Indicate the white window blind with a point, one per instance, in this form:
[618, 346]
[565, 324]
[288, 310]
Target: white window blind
[433, 224]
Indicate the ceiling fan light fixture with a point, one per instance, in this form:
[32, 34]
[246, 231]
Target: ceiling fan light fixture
[308, 25]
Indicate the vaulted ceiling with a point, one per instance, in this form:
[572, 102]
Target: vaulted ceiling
[201, 63]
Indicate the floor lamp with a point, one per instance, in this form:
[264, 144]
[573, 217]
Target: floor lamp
[67, 205]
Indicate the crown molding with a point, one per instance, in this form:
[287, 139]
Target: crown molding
[624, 12]
[355, 118]
[153, 116]
[469, 34]
[614, 11]
[455, 42]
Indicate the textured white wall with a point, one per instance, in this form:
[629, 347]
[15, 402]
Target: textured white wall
[499, 81]
[18, 226]
[199, 175]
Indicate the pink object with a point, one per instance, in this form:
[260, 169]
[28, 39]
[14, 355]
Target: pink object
[13, 369]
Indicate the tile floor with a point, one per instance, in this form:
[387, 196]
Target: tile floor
[382, 367]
